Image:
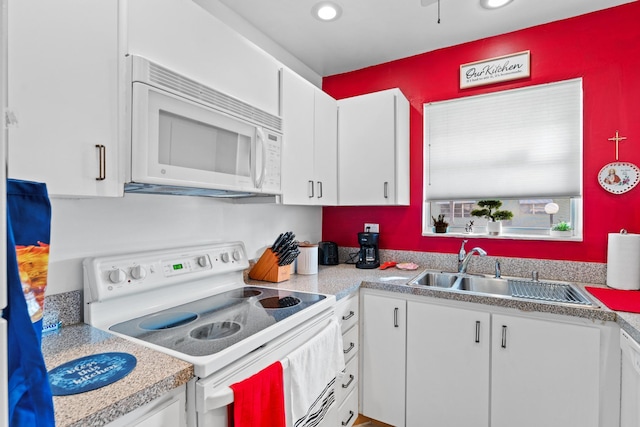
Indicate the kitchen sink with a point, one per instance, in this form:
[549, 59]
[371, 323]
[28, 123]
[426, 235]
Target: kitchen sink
[557, 292]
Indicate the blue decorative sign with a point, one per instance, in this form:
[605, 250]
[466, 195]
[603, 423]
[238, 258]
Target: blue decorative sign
[90, 373]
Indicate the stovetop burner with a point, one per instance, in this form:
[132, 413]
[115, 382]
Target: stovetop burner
[277, 302]
[207, 326]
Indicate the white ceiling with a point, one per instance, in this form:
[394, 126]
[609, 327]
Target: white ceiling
[375, 31]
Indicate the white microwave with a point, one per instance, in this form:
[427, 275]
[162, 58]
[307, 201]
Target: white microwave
[187, 138]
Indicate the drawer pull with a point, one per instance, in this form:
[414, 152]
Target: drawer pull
[477, 331]
[351, 414]
[351, 346]
[349, 316]
[395, 318]
[351, 378]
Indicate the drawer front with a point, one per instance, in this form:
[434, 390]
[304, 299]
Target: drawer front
[348, 382]
[350, 343]
[348, 411]
[347, 312]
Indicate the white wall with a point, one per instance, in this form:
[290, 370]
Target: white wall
[89, 227]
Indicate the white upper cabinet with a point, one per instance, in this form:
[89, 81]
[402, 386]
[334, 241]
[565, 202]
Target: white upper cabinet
[373, 149]
[63, 95]
[182, 36]
[309, 165]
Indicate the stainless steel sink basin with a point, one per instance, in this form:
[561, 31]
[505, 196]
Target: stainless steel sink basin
[436, 279]
[557, 292]
[485, 285]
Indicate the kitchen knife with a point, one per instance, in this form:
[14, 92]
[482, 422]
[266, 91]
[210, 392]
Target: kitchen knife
[277, 242]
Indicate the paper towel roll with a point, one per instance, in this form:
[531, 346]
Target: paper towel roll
[623, 261]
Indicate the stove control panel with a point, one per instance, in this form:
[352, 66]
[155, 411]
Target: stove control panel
[186, 265]
[115, 276]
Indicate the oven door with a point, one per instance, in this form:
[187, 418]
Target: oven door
[208, 398]
[176, 141]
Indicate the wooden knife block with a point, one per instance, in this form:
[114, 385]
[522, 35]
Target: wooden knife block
[267, 268]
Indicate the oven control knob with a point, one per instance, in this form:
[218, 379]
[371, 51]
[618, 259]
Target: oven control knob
[237, 255]
[203, 261]
[225, 257]
[117, 276]
[138, 272]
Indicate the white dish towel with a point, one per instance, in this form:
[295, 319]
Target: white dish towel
[312, 374]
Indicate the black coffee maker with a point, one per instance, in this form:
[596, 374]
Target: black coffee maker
[368, 257]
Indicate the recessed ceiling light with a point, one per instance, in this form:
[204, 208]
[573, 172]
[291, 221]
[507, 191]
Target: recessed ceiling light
[326, 11]
[494, 4]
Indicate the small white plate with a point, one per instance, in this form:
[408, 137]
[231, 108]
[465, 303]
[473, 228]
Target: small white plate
[407, 266]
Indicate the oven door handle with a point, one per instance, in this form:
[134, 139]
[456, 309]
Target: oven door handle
[224, 396]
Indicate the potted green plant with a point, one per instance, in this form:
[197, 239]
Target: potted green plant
[490, 209]
[439, 224]
[562, 228]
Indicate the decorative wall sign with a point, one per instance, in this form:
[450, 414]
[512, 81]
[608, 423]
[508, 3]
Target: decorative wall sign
[618, 177]
[494, 70]
[90, 373]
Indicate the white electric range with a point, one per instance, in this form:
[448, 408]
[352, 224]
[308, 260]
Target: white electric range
[192, 303]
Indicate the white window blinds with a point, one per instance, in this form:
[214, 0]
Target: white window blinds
[521, 143]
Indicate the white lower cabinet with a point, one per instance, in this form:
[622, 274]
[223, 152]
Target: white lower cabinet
[473, 365]
[346, 388]
[382, 379]
[544, 373]
[447, 366]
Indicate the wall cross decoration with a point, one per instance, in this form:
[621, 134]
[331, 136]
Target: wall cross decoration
[617, 139]
[618, 177]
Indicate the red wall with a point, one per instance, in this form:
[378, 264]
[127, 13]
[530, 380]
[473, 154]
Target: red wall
[603, 48]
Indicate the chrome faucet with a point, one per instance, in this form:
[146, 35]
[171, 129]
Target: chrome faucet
[467, 258]
[461, 254]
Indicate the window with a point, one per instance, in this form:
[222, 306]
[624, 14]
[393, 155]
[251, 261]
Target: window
[521, 146]
[529, 216]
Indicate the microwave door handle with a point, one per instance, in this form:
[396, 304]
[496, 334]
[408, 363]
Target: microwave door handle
[260, 137]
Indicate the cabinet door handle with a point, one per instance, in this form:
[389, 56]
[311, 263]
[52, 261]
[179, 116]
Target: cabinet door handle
[349, 316]
[344, 423]
[386, 189]
[319, 189]
[395, 317]
[351, 378]
[504, 336]
[311, 187]
[351, 346]
[477, 331]
[102, 163]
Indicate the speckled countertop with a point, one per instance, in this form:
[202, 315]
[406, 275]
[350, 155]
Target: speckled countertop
[157, 373]
[154, 375]
[339, 280]
[343, 279]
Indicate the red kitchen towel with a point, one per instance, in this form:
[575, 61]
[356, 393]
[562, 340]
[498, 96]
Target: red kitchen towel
[617, 299]
[258, 401]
